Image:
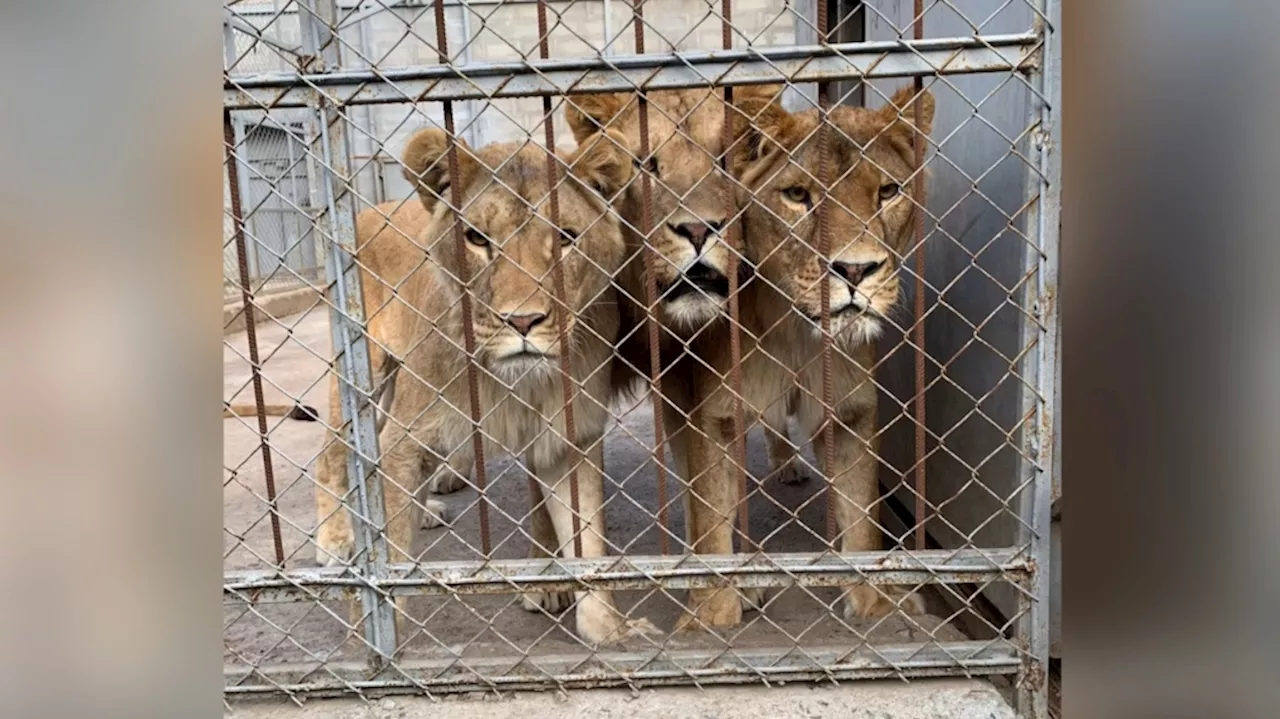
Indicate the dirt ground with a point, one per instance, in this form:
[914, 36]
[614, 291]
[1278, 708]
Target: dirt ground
[294, 360]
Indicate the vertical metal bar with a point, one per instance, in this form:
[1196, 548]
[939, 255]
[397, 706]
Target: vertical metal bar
[1035, 504]
[251, 334]
[244, 188]
[336, 222]
[824, 248]
[473, 129]
[557, 272]
[295, 242]
[651, 299]
[378, 194]
[241, 187]
[468, 322]
[918, 330]
[606, 23]
[733, 238]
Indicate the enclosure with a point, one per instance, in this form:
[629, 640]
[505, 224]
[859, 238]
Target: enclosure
[321, 98]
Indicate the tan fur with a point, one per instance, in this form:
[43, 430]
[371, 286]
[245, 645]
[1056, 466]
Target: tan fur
[686, 144]
[507, 263]
[781, 345]
[300, 412]
[387, 253]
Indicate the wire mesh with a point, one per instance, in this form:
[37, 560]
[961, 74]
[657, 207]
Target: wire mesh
[627, 316]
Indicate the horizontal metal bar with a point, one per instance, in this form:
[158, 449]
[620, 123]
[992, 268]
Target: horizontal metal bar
[246, 28]
[647, 668]
[267, 10]
[509, 576]
[656, 71]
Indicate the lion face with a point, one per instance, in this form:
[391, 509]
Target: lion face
[507, 258]
[869, 215]
[688, 193]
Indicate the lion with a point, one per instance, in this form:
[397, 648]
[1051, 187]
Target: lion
[299, 412]
[689, 213]
[386, 253]
[506, 262]
[871, 158]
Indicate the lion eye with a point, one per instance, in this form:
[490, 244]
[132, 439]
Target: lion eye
[477, 239]
[796, 194]
[568, 237]
[651, 165]
[889, 191]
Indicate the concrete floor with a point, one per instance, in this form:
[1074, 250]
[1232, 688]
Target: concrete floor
[922, 699]
[294, 366]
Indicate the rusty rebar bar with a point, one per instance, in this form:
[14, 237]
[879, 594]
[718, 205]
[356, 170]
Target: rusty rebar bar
[733, 239]
[918, 329]
[251, 333]
[557, 272]
[468, 326]
[651, 300]
[824, 249]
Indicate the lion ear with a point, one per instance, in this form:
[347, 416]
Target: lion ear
[426, 165]
[761, 126]
[588, 114]
[603, 162]
[900, 114]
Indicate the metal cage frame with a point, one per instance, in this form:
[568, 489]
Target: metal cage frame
[326, 91]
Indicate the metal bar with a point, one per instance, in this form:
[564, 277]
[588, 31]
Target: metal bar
[733, 238]
[918, 334]
[233, 22]
[336, 221]
[242, 187]
[606, 26]
[824, 292]
[250, 330]
[658, 71]
[468, 322]
[1036, 501]
[564, 310]
[473, 127]
[651, 299]
[507, 576]
[382, 6]
[671, 667]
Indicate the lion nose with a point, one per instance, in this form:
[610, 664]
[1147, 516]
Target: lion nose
[524, 324]
[855, 272]
[696, 232]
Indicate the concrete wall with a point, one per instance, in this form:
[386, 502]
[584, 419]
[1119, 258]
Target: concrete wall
[973, 260]
[405, 36]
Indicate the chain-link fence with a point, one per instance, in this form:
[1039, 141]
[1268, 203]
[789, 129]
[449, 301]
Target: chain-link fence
[751, 378]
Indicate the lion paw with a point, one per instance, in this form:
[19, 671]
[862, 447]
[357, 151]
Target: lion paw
[721, 608]
[630, 629]
[445, 481]
[434, 514]
[867, 602]
[792, 471]
[599, 623]
[753, 598]
[549, 602]
[335, 542]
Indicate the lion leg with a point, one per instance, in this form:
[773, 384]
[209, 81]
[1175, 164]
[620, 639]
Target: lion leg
[454, 477]
[335, 542]
[711, 502]
[680, 442]
[445, 478]
[857, 496]
[542, 545]
[784, 460]
[598, 619]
